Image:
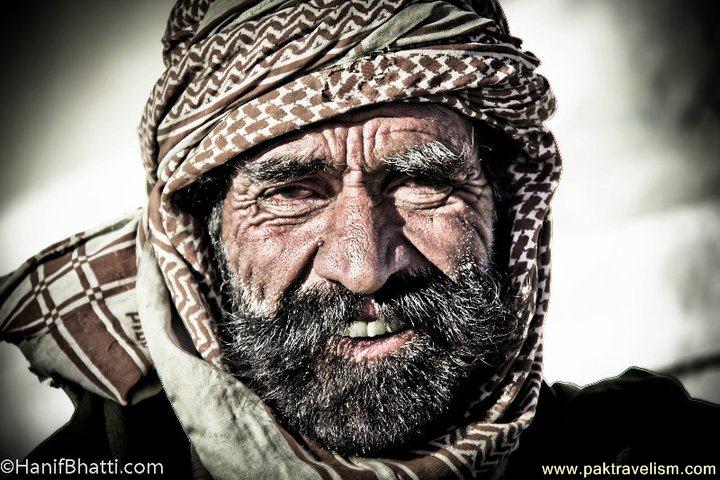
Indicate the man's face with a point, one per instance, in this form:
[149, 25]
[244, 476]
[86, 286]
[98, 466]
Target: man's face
[355, 262]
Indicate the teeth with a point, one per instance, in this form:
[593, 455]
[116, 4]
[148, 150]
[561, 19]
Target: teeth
[360, 329]
[376, 328]
[357, 329]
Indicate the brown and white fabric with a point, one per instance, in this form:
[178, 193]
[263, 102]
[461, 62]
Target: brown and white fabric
[239, 73]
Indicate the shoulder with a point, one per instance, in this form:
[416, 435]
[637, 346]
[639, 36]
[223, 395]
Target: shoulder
[636, 418]
[102, 430]
[72, 311]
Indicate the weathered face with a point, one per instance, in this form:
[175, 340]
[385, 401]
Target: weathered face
[358, 200]
[354, 256]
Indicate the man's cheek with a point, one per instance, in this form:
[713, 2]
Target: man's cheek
[269, 259]
[449, 239]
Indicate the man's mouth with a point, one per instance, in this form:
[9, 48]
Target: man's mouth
[371, 329]
[370, 348]
[370, 324]
[371, 336]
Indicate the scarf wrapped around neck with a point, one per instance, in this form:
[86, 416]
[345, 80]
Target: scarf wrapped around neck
[239, 73]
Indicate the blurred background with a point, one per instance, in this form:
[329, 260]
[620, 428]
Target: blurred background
[636, 249]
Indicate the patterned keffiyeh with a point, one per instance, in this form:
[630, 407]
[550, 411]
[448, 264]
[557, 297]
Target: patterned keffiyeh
[239, 73]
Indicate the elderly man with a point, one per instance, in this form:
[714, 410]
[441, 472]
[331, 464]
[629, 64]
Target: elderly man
[342, 270]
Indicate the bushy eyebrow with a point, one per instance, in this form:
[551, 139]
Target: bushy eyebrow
[432, 161]
[284, 167]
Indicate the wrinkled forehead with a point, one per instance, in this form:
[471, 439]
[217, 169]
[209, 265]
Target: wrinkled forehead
[371, 135]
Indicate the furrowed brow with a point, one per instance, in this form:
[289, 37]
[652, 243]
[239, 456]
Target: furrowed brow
[283, 168]
[433, 160]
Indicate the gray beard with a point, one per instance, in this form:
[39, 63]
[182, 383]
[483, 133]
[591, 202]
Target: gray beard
[464, 330]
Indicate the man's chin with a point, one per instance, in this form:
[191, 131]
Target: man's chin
[375, 405]
[331, 372]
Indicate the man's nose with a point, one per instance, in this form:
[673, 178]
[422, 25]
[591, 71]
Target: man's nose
[362, 245]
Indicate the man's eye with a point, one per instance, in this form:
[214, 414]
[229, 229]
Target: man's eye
[421, 192]
[424, 183]
[289, 193]
[293, 200]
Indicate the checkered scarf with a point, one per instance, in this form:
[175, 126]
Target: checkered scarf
[239, 73]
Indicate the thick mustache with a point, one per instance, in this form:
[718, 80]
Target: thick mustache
[307, 318]
[467, 316]
[331, 309]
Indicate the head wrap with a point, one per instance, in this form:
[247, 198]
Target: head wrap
[239, 73]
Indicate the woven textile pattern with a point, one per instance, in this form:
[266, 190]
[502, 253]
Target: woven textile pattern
[239, 73]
